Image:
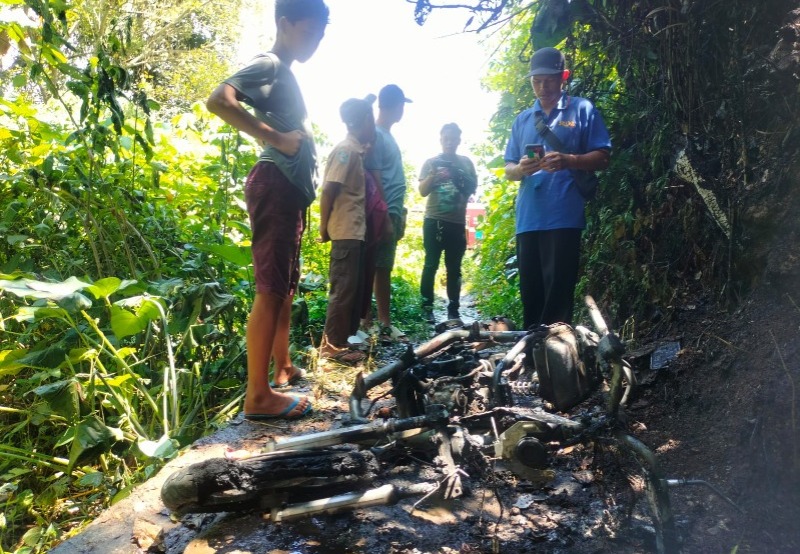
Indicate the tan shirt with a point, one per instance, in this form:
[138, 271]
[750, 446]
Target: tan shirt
[346, 167]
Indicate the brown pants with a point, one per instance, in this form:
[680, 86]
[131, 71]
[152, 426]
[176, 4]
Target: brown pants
[346, 277]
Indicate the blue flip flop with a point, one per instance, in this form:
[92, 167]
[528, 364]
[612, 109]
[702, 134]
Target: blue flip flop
[284, 414]
[299, 375]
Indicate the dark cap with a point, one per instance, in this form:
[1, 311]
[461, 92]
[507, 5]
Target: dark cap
[546, 61]
[354, 110]
[390, 96]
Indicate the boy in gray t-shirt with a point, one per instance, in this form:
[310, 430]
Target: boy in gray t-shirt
[278, 190]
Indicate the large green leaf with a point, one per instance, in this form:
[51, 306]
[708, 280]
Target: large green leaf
[125, 323]
[104, 288]
[238, 255]
[168, 287]
[64, 398]
[74, 302]
[164, 448]
[51, 356]
[110, 285]
[92, 438]
[200, 302]
[9, 361]
[31, 288]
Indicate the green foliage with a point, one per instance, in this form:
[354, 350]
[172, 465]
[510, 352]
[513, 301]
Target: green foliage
[496, 278]
[104, 375]
[95, 377]
[666, 81]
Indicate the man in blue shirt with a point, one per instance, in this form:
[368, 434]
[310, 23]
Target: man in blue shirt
[550, 207]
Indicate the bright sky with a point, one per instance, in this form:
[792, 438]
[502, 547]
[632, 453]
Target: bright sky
[370, 43]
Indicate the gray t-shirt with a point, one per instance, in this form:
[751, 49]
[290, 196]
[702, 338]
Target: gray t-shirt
[385, 158]
[269, 87]
[456, 181]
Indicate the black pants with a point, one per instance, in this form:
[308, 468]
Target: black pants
[450, 238]
[548, 273]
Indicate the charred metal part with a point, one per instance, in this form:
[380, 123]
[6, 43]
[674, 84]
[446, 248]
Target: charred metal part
[610, 351]
[531, 453]
[500, 323]
[450, 366]
[657, 494]
[381, 496]
[597, 317]
[681, 482]
[543, 425]
[610, 347]
[452, 483]
[632, 381]
[529, 460]
[358, 433]
[452, 396]
[524, 388]
[392, 370]
[220, 485]
[501, 394]
[453, 487]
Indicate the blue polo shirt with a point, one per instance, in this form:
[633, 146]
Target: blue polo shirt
[549, 201]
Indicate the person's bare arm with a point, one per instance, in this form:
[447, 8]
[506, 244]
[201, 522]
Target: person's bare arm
[526, 166]
[595, 160]
[224, 104]
[426, 184]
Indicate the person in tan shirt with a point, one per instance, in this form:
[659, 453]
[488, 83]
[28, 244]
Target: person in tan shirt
[343, 223]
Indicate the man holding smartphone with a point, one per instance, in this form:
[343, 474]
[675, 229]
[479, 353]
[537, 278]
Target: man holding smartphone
[447, 181]
[550, 207]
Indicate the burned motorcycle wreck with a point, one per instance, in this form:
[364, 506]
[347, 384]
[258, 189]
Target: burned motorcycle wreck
[460, 406]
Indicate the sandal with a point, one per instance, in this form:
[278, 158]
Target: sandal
[345, 356]
[290, 412]
[298, 375]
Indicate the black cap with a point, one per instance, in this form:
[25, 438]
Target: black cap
[546, 61]
[391, 95]
[354, 110]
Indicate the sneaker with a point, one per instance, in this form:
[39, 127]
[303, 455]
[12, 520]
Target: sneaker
[392, 334]
[372, 331]
[359, 339]
[427, 312]
[453, 313]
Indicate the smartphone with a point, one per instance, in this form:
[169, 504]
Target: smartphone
[534, 151]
